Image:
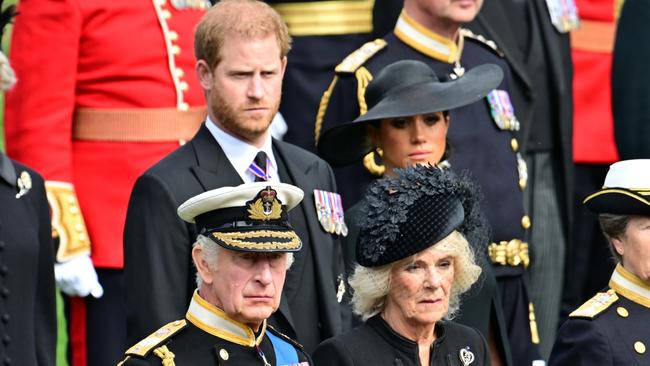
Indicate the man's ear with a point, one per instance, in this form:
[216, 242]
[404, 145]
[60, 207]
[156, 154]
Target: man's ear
[202, 265]
[204, 74]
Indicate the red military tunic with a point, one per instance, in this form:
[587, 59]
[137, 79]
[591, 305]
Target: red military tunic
[75, 60]
[591, 50]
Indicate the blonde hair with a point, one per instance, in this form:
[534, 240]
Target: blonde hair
[249, 19]
[371, 285]
[211, 252]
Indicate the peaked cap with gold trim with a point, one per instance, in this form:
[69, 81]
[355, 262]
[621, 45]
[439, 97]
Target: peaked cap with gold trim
[251, 217]
[626, 190]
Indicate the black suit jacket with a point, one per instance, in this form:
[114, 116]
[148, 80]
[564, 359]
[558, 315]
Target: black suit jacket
[160, 277]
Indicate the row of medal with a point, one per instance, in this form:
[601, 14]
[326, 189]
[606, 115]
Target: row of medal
[329, 208]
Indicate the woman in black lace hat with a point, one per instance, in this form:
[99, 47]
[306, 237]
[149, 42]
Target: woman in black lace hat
[415, 263]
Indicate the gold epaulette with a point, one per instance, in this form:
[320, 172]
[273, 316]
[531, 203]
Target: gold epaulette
[353, 61]
[466, 33]
[67, 222]
[146, 345]
[595, 305]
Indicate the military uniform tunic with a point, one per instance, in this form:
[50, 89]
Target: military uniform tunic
[209, 337]
[611, 329]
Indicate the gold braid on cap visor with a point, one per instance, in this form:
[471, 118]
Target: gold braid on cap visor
[242, 239]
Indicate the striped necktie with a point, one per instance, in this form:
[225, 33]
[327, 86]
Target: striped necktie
[259, 167]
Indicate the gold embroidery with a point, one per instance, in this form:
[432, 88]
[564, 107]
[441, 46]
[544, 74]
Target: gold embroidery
[166, 355]
[242, 239]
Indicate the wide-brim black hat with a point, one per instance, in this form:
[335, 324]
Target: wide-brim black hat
[626, 190]
[413, 211]
[251, 217]
[402, 89]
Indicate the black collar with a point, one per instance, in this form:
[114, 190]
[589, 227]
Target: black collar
[397, 340]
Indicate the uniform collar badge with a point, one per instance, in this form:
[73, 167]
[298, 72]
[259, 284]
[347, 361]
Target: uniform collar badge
[466, 356]
[24, 183]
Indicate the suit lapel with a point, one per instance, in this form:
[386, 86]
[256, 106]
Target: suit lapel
[504, 38]
[212, 169]
[322, 243]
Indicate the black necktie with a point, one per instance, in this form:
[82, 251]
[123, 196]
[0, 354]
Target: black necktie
[259, 167]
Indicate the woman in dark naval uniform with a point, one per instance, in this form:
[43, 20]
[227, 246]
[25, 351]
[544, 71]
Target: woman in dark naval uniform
[415, 262]
[611, 329]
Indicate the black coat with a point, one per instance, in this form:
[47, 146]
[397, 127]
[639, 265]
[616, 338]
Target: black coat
[160, 277]
[375, 343]
[27, 292]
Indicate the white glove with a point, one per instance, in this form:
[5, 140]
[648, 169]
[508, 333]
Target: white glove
[77, 277]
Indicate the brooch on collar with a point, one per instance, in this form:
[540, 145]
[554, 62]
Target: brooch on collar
[24, 183]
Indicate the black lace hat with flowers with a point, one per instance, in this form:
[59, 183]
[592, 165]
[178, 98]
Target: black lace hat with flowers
[422, 205]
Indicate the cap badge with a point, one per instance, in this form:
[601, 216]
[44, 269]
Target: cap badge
[466, 356]
[266, 206]
[24, 184]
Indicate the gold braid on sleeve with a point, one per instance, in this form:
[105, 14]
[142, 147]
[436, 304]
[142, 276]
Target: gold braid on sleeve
[67, 222]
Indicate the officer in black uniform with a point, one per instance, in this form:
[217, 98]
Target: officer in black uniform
[482, 139]
[242, 254]
[612, 327]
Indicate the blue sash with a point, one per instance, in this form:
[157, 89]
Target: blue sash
[285, 353]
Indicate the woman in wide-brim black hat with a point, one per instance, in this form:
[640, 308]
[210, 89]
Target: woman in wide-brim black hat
[407, 121]
[407, 118]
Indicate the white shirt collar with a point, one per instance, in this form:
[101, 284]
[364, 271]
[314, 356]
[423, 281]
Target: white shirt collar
[241, 154]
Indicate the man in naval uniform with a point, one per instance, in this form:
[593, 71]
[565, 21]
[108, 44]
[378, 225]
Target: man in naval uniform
[482, 140]
[612, 327]
[244, 248]
[241, 48]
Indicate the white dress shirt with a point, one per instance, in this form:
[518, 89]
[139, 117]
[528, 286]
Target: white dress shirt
[241, 154]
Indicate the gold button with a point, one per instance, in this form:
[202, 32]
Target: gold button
[223, 354]
[173, 35]
[525, 222]
[183, 86]
[183, 106]
[639, 347]
[514, 144]
[622, 312]
[165, 14]
[176, 50]
[74, 210]
[82, 237]
[79, 228]
[71, 200]
[179, 72]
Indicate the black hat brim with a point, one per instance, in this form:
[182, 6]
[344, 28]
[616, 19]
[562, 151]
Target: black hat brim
[618, 201]
[349, 142]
